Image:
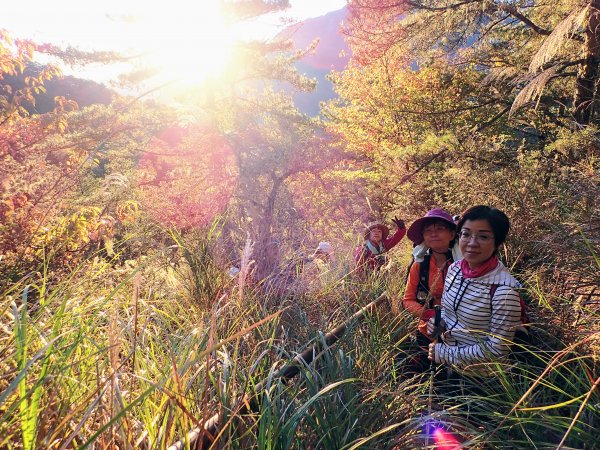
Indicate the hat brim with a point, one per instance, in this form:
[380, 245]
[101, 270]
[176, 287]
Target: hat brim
[415, 231]
[385, 231]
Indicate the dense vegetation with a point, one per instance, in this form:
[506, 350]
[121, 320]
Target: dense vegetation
[119, 220]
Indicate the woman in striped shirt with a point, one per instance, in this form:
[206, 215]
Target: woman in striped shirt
[480, 306]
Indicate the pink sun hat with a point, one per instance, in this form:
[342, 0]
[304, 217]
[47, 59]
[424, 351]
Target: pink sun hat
[415, 231]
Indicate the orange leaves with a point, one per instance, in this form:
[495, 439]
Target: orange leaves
[14, 54]
[128, 212]
[10, 205]
[15, 57]
[62, 104]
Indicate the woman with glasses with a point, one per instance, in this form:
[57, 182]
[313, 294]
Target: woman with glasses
[433, 236]
[481, 308]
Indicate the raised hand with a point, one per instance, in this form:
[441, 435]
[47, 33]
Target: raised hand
[399, 222]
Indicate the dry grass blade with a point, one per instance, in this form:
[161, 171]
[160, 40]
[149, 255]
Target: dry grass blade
[551, 365]
[209, 363]
[174, 396]
[579, 411]
[381, 432]
[87, 414]
[243, 405]
[499, 74]
[557, 39]
[136, 299]
[246, 265]
[233, 337]
[114, 350]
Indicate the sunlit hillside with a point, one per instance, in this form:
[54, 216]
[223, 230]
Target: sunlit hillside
[199, 248]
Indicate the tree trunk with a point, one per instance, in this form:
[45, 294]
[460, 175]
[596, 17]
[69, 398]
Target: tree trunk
[587, 75]
[267, 246]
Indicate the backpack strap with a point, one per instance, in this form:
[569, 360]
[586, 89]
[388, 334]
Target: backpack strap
[423, 286]
[493, 289]
[449, 257]
[524, 316]
[412, 261]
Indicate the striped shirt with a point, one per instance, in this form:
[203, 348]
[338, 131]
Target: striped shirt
[479, 327]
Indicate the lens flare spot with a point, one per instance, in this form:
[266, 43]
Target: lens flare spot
[444, 440]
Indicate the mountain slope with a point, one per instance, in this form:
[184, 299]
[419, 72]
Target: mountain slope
[332, 53]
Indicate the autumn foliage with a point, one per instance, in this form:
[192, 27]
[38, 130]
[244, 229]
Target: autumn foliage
[123, 322]
[187, 176]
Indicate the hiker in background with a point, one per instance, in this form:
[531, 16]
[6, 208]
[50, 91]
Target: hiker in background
[316, 269]
[233, 272]
[371, 256]
[434, 238]
[481, 308]
[322, 253]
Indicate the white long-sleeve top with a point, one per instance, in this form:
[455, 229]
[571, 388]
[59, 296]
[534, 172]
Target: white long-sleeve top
[479, 327]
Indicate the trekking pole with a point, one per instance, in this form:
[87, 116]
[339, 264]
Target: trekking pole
[436, 331]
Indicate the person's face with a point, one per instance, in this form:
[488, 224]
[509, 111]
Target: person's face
[376, 235]
[476, 240]
[437, 236]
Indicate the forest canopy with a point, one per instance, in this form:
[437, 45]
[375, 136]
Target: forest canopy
[162, 250]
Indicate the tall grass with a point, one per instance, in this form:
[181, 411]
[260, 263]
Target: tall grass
[119, 355]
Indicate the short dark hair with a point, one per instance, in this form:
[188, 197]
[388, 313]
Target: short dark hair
[499, 221]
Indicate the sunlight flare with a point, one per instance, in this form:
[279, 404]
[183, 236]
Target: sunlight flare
[186, 42]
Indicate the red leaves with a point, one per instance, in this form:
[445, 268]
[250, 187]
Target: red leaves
[188, 176]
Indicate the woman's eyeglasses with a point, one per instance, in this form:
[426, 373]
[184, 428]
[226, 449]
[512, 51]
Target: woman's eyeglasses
[466, 236]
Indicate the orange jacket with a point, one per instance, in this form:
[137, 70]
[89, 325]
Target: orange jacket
[436, 288]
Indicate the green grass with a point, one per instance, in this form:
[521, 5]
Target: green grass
[121, 355]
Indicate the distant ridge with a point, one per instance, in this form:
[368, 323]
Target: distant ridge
[332, 53]
[84, 92]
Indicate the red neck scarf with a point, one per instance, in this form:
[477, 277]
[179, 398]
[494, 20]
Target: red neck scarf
[486, 267]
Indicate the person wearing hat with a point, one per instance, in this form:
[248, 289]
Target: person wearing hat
[323, 251]
[434, 238]
[371, 255]
[320, 257]
[315, 269]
